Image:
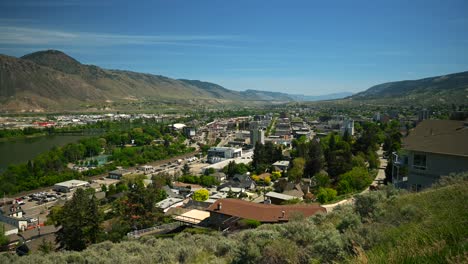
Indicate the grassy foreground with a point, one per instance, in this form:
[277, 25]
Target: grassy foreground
[387, 226]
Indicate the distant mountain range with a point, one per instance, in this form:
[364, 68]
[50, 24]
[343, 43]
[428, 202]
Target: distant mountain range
[448, 89]
[52, 80]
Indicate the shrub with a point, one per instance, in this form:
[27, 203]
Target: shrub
[368, 205]
[201, 195]
[355, 180]
[326, 194]
[249, 223]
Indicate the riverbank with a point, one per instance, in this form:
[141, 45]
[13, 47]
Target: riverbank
[25, 148]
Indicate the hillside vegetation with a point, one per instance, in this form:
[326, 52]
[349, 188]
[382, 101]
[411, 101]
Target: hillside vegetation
[51, 80]
[447, 89]
[383, 227]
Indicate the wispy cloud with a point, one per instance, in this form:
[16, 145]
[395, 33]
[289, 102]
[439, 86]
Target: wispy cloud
[12, 35]
[52, 3]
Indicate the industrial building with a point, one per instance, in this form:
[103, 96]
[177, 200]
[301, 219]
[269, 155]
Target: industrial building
[217, 154]
[67, 186]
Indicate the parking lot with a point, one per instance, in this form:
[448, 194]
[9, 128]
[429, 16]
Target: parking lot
[36, 206]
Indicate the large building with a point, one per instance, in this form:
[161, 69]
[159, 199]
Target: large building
[257, 135]
[217, 154]
[118, 174]
[67, 186]
[435, 148]
[347, 126]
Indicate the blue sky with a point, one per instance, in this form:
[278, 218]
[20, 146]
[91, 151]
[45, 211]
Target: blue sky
[309, 47]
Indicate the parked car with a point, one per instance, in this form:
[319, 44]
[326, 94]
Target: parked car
[32, 220]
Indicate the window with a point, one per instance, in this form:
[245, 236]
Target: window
[419, 161]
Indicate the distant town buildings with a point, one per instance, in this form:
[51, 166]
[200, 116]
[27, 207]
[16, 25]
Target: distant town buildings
[347, 126]
[257, 135]
[217, 154]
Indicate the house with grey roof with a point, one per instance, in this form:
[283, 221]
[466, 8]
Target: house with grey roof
[435, 148]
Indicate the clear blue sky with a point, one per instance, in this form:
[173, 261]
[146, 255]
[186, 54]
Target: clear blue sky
[309, 47]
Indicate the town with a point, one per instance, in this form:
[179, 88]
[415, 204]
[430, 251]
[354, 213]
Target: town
[227, 174]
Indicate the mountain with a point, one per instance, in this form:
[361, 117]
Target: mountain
[332, 96]
[452, 88]
[53, 81]
[277, 96]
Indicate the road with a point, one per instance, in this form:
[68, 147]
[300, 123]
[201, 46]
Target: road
[154, 163]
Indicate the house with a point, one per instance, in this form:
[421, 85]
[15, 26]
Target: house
[239, 181]
[169, 203]
[225, 212]
[171, 193]
[281, 165]
[13, 210]
[13, 215]
[435, 148]
[220, 176]
[293, 189]
[9, 229]
[118, 174]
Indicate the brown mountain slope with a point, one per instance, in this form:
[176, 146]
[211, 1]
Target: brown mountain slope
[51, 80]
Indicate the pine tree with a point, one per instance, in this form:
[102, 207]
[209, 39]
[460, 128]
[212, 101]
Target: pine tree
[79, 222]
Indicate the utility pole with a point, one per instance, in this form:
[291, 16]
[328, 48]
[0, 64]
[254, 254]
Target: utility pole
[38, 226]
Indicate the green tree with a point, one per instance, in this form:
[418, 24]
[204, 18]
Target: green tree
[296, 172]
[138, 207]
[79, 222]
[326, 194]
[4, 240]
[275, 175]
[315, 159]
[354, 180]
[322, 180]
[201, 195]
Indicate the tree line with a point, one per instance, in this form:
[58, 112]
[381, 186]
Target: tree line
[52, 166]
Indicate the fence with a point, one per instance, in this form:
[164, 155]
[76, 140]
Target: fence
[153, 230]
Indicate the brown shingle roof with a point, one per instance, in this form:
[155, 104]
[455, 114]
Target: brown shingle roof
[262, 212]
[439, 136]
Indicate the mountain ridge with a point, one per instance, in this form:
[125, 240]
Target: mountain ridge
[449, 88]
[52, 80]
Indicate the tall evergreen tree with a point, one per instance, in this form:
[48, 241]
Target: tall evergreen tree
[79, 222]
[315, 159]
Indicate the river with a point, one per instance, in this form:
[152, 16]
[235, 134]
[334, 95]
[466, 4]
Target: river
[20, 150]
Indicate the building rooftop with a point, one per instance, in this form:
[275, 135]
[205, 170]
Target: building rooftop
[281, 163]
[120, 171]
[263, 212]
[439, 136]
[193, 216]
[280, 196]
[168, 202]
[72, 183]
